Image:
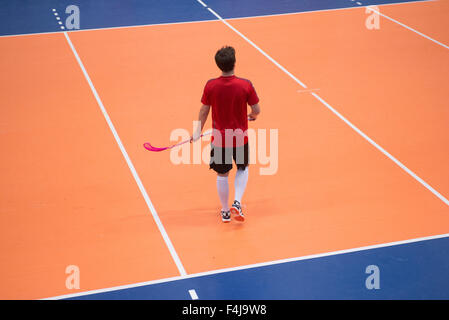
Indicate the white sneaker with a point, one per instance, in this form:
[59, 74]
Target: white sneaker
[237, 210]
[225, 216]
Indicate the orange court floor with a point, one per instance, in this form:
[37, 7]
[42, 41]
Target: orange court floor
[69, 195]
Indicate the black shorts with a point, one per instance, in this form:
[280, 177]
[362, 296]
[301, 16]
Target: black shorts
[221, 158]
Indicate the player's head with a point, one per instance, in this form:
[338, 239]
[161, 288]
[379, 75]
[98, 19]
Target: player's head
[225, 59]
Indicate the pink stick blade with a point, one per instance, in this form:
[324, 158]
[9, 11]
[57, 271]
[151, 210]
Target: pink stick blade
[149, 147]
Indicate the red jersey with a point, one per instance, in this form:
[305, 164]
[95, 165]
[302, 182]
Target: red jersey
[229, 97]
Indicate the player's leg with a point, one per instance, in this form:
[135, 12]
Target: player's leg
[223, 194]
[241, 157]
[219, 164]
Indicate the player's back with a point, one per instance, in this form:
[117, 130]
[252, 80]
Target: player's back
[229, 97]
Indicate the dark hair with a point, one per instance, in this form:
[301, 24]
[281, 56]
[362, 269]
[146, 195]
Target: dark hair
[225, 59]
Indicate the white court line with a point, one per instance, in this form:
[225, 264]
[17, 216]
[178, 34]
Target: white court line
[326, 10]
[307, 90]
[402, 166]
[260, 50]
[130, 165]
[114, 28]
[202, 3]
[409, 28]
[250, 266]
[193, 294]
[211, 20]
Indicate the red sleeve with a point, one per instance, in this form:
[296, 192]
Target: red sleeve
[252, 95]
[206, 95]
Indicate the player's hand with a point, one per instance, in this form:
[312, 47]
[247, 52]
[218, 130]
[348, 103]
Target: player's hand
[251, 117]
[195, 137]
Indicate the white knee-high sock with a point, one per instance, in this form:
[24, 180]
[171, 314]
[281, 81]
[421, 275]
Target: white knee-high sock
[241, 178]
[223, 192]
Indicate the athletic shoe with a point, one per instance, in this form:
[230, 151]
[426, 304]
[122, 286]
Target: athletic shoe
[225, 216]
[237, 210]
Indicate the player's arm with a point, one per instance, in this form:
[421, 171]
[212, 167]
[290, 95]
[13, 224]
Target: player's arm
[255, 110]
[202, 117]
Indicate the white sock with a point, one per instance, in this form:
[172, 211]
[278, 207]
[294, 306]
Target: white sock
[223, 192]
[241, 178]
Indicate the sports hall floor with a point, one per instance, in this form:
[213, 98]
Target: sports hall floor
[360, 194]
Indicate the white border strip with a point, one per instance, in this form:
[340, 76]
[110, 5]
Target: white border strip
[130, 165]
[250, 266]
[402, 166]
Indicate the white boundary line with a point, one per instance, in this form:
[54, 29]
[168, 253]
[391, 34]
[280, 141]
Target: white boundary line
[378, 147]
[211, 20]
[326, 10]
[113, 28]
[260, 50]
[130, 165]
[193, 294]
[402, 166]
[250, 266]
[202, 3]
